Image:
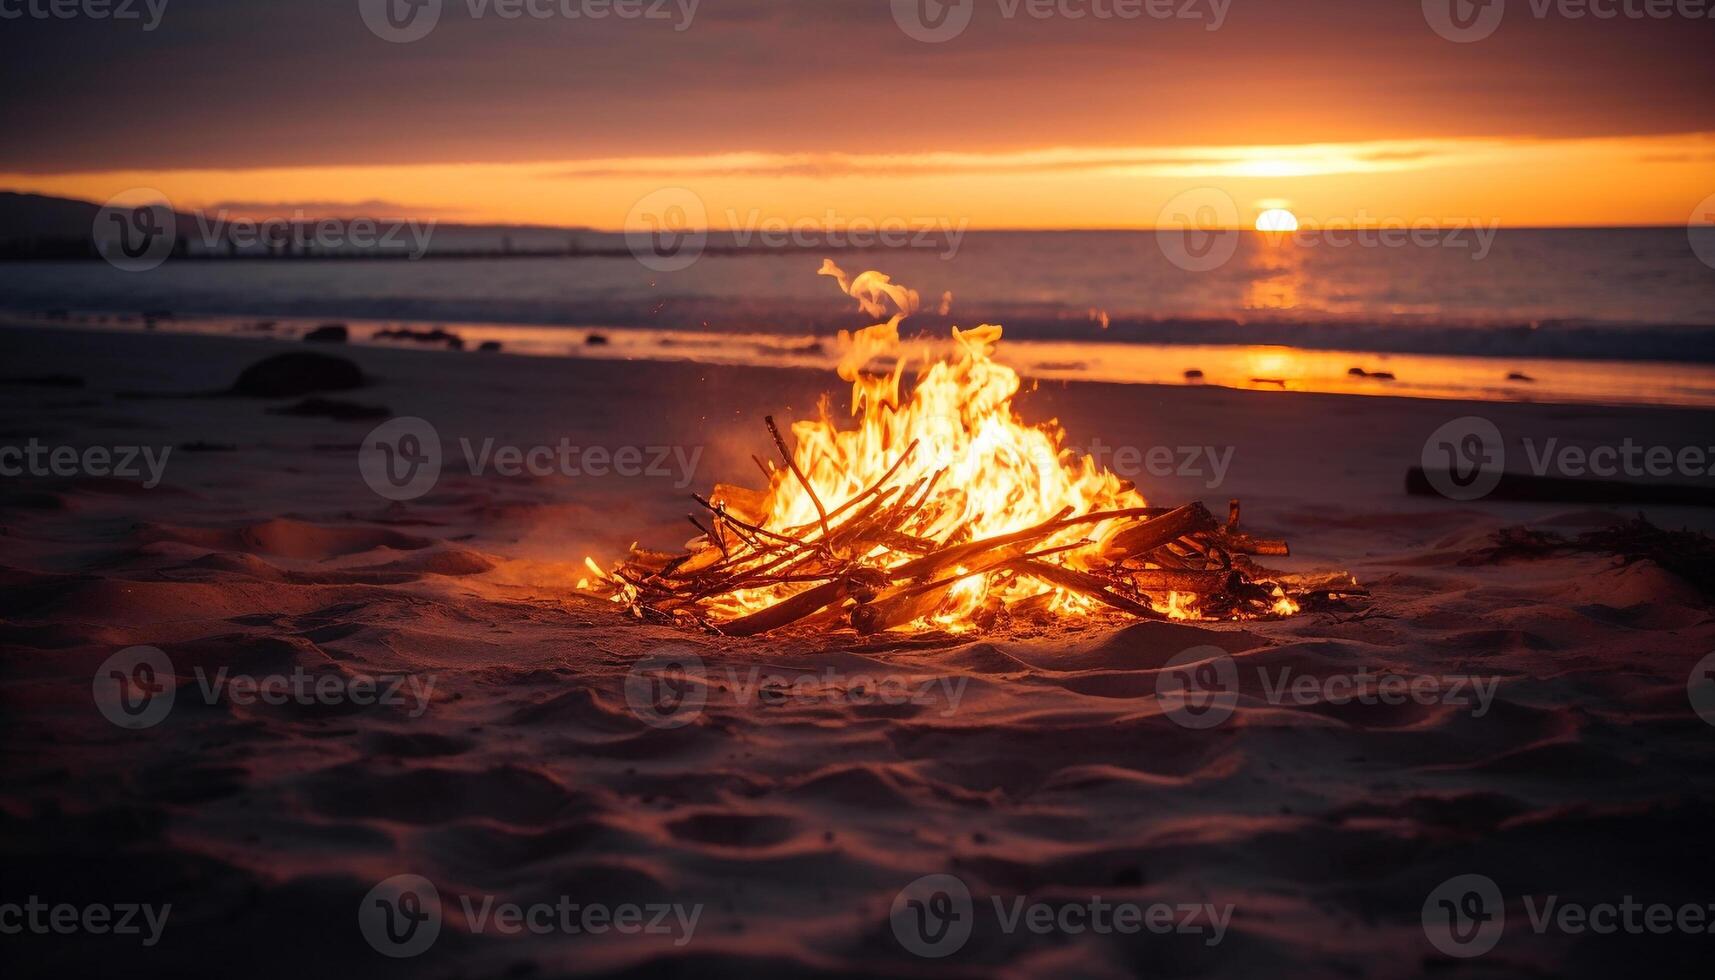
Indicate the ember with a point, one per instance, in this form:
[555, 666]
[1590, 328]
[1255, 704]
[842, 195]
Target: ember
[940, 511]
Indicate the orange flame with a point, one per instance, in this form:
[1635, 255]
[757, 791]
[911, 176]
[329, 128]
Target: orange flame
[992, 473]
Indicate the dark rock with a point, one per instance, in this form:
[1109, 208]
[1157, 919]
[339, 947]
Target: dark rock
[1193, 375]
[332, 408]
[1382, 375]
[435, 336]
[329, 333]
[1520, 376]
[1357, 372]
[489, 345]
[297, 373]
[596, 340]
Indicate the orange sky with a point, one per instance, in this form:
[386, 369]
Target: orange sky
[823, 111]
[1620, 180]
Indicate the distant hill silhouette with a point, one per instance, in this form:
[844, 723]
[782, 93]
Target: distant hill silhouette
[25, 216]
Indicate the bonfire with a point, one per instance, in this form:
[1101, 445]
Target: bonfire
[940, 510]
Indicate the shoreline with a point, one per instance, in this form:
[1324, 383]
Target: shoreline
[1463, 377]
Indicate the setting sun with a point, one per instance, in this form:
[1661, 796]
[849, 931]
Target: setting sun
[1276, 219]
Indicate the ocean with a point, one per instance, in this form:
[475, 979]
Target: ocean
[1540, 314]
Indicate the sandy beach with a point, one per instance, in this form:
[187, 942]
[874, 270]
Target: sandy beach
[1541, 733]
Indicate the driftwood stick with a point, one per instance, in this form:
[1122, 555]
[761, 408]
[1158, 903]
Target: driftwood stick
[859, 582]
[1086, 584]
[1152, 534]
[788, 610]
[1201, 581]
[929, 565]
[786, 454]
[1244, 544]
[899, 608]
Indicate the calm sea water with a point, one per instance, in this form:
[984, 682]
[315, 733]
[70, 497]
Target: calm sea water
[1611, 294]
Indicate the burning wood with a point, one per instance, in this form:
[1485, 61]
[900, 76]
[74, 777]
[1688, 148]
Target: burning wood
[940, 511]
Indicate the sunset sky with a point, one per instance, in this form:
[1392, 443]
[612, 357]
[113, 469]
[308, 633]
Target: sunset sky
[1341, 110]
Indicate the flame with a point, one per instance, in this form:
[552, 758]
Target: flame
[927, 471]
[991, 472]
